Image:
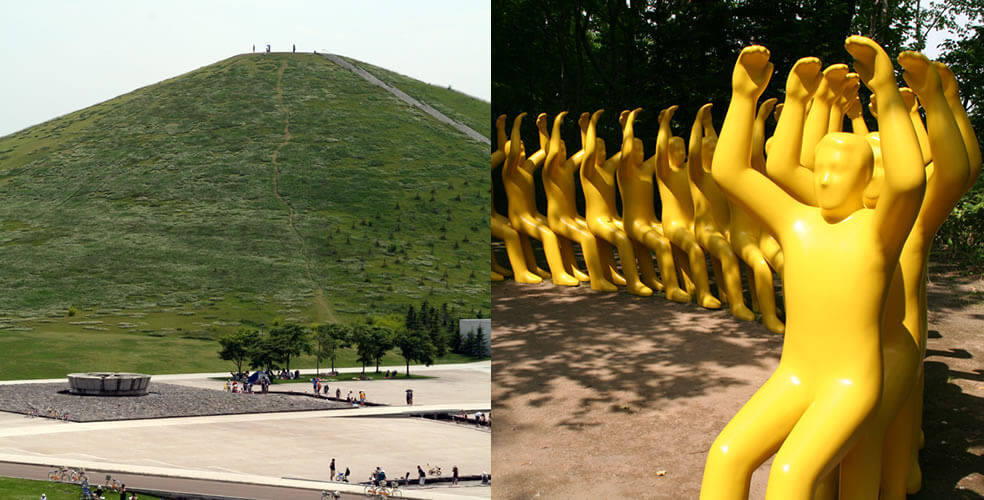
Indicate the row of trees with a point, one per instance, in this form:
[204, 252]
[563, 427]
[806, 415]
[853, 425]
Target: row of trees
[427, 333]
[583, 55]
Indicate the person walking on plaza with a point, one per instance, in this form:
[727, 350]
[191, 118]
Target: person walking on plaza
[409, 397]
[332, 469]
[420, 473]
[338, 393]
[454, 475]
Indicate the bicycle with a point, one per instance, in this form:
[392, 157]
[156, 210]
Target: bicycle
[433, 471]
[67, 474]
[32, 411]
[113, 483]
[330, 495]
[383, 491]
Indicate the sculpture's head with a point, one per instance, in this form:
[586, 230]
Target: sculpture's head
[842, 170]
[522, 148]
[707, 148]
[873, 191]
[600, 153]
[638, 155]
[677, 150]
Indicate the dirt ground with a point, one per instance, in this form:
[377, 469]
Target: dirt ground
[615, 396]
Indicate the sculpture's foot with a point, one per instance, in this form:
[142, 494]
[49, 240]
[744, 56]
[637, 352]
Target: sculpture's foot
[654, 284]
[914, 481]
[603, 286]
[618, 279]
[580, 275]
[565, 280]
[528, 277]
[496, 276]
[708, 301]
[639, 289]
[543, 273]
[678, 294]
[773, 324]
[742, 312]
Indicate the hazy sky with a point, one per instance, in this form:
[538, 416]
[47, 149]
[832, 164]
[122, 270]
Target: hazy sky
[60, 56]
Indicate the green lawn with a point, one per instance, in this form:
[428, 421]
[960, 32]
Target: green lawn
[165, 201]
[53, 353]
[27, 489]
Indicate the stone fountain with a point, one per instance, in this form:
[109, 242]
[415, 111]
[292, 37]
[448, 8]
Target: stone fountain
[109, 384]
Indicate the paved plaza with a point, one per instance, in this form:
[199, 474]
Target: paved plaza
[289, 449]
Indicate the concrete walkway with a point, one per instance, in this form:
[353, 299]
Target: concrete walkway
[407, 99]
[282, 449]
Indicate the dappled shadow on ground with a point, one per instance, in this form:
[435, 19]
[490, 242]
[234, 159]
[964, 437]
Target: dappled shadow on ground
[650, 349]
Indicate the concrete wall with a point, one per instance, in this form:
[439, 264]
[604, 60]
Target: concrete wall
[469, 325]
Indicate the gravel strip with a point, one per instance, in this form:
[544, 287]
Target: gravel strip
[162, 400]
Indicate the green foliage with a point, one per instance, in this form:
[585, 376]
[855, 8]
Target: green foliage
[236, 347]
[164, 197]
[327, 340]
[372, 342]
[415, 346]
[288, 340]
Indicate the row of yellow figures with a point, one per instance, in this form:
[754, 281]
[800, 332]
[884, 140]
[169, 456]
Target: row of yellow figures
[696, 217]
[854, 214]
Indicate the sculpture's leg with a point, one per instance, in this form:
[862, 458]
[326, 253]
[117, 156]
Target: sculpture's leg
[698, 267]
[516, 252]
[646, 267]
[722, 291]
[761, 280]
[570, 259]
[821, 437]
[551, 248]
[899, 441]
[752, 436]
[917, 439]
[730, 276]
[682, 265]
[530, 257]
[608, 260]
[667, 268]
[498, 269]
[750, 274]
[621, 241]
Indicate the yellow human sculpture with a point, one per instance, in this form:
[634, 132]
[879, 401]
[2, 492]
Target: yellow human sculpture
[598, 183]
[558, 182]
[517, 177]
[746, 235]
[635, 181]
[566, 245]
[712, 216]
[955, 156]
[829, 379]
[517, 245]
[678, 207]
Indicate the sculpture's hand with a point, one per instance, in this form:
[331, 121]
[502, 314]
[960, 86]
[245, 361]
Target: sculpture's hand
[778, 110]
[873, 106]
[803, 80]
[833, 80]
[583, 120]
[624, 115]
[920, 74]
[909, 98]
[766, 107]
[704, 115]
[666, 115]
[949, 81]
[871, 62]
[752, 73]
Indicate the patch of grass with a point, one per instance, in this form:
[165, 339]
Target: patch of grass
[29, 489]
[475, 113]
[53, 350]
[162, 202]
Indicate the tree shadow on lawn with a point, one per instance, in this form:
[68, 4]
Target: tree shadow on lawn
[626, 353]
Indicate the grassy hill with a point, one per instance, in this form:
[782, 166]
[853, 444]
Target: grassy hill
[261, 186]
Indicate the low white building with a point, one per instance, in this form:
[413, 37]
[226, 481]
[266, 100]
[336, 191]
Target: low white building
[483, 326]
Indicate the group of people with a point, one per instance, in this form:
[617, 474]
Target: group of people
[846, 218]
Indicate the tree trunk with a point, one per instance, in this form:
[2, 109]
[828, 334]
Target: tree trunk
[408, 368]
